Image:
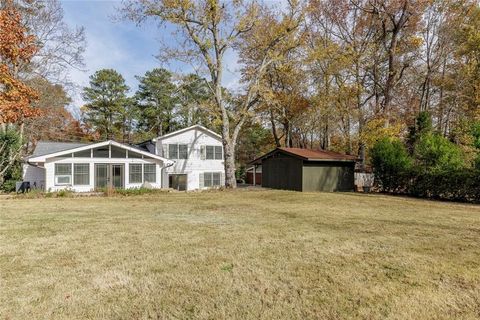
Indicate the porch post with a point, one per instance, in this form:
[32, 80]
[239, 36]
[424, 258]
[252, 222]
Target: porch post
[254, 174]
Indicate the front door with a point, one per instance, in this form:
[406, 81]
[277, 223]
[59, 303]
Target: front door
[102, 175]
[109, 175]
[178, 182]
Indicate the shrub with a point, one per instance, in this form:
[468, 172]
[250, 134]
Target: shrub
[436, 153]
[457, 185]
[10, 166]
[391, 164]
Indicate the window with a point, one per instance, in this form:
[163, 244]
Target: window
[117, 152]
[216, 179]
[211, 179]
[101, 152]
[210, 152]
[214, 152]
[149, 173]
[83, 154]
[173, 151]
[81, 174]
[218, 153]
[135, 173]
[63, 174]
[134, 155]
[177, 151]
[182, 151]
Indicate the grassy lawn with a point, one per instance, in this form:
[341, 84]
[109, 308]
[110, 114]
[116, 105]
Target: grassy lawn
[239, 254]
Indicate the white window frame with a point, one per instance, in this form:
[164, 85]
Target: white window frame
[130, 172]
[154, 172]
[176, 147]
[87, 174]
[57, 176]
[211, 179]
[214, 153]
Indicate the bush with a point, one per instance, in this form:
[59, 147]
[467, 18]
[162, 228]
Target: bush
[10, 144]
[435, 153]
[456, 185]
[391, 164]
[131, 192]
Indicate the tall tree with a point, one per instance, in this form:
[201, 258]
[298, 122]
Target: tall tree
[106, 103]
[16, 97]
[194, 99]
[60, 46]
[16, 48]
[55, 122]
[206, 30]
[156, 102]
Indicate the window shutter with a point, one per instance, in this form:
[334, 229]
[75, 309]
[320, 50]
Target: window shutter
[202, 152]
[165, 151]
[202, 180]
[222, 179]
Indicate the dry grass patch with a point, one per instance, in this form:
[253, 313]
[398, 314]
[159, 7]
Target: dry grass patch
[239, 254]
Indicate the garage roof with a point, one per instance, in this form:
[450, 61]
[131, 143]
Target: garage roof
[309, 155]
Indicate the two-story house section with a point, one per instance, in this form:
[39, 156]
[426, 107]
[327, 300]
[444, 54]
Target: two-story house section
[198, 156]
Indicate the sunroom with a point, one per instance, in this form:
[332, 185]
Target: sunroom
[96, 166]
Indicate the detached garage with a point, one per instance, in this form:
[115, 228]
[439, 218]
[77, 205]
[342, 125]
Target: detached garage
[307, 170]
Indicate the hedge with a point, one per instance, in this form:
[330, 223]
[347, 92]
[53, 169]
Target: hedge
[455, 185]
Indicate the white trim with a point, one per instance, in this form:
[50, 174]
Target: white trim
[96, 145]
[196, 126]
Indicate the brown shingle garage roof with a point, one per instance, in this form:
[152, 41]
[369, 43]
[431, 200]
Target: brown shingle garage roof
[309, 155]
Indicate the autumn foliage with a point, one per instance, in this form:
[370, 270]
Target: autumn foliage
[16, 47]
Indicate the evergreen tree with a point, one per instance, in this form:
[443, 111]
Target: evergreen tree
[156, 102]
[107, 102]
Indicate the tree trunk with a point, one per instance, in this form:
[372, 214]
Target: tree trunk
[229, 163]
[274, 130]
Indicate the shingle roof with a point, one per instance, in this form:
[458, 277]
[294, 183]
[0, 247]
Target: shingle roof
[47, 147]
[310, 154]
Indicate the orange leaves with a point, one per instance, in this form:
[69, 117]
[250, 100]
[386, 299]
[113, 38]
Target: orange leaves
[16, 47]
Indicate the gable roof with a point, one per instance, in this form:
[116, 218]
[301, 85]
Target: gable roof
[196, 126]
[43, 157]
[46, 147]
[309, 155]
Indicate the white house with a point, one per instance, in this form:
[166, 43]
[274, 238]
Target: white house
[198, 155]
[187, 159]
[87, 167]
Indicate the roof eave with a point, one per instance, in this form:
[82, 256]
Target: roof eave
[43, 158]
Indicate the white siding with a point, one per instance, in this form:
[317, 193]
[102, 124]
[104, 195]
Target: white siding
[194, 165]
[34, 175]
[50, 172]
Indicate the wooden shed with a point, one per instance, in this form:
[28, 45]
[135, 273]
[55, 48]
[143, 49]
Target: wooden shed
[307, 170]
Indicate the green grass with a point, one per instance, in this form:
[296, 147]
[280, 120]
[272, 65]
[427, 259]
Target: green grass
[239, 254]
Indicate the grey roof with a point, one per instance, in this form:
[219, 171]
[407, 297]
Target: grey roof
[47, 147]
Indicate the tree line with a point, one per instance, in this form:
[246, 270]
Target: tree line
[336, 74]
[163, 103]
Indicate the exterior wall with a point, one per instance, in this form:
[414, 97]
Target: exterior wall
[258, 178]
[50, 172]
[35, 175]
[328, 176]
[282, 172]
[194, 165]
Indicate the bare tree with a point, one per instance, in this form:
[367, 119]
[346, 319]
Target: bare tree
[205, 31]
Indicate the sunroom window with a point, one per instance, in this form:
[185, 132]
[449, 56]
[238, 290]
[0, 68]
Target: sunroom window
[149, 173]
[63, 174]
[81, 174]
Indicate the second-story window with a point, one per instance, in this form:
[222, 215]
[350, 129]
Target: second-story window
[214, 152]
[178, 151]
[182, 151]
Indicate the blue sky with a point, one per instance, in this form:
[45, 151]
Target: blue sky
[121, 45]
